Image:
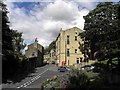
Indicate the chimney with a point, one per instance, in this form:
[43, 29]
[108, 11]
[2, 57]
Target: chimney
[36, 40]
[61, 30]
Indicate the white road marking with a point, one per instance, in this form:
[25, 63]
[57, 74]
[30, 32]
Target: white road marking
[18, 87]
[32, 80]
[21, 85]
[25, 86]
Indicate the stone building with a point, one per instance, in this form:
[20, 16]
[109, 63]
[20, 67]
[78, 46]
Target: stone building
[47, 58]
[35, 51]
[67, 47]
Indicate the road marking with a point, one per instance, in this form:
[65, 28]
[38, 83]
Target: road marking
[18, 87]
[25, 86]
[32, 80]
[21, 85]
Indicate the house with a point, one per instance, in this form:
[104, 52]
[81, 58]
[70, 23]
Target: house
[52, 55]
[47, 58]
[35, 51]
[67, 47]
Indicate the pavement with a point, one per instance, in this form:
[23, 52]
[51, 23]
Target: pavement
[34, 80]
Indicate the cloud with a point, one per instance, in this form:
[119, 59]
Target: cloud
[45, 19]
[61, 11]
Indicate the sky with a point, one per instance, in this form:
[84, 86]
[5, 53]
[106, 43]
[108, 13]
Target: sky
[43, 19]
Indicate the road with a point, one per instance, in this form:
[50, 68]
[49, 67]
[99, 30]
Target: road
[34, 80]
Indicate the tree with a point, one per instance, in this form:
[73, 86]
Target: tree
[17, 42]
[101, 25]
[7, 46]
[52, 45]
[12, 43]
[103, 29]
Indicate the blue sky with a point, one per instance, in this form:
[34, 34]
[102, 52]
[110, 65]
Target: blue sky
[44, 18]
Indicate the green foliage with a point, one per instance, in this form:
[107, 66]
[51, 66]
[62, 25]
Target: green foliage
[12, 44]
[78, 79]
[50, 83]
[47, 50]
[112, 53]
[7, 47]
[17, 42]
[52, 45]
[75, 79]
[102, 29]
[106, 78]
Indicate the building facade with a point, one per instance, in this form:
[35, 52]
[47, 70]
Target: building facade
[35, 51]
[47, 58]
[67, 47]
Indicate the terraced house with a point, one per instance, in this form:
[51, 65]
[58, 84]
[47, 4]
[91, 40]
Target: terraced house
[67, 47]
[35, 52]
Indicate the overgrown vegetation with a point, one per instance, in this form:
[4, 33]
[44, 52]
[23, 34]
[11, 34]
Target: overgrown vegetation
[102, 33]
[14, 65]
[76, 79]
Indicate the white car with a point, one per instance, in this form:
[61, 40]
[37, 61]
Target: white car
[68, 68]
[63, 69]
[87, 67]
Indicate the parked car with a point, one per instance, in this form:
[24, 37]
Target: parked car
[63, 68]
[53, 62]
[68, 68]
[87, 67]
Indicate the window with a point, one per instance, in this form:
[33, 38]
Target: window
[33, 54]
[81, 59]
[68, 52]
[75, 50]
[75, 38]
[68, 41]
[77, 60]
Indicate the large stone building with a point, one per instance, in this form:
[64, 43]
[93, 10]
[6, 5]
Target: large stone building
[67, 47]
[35, 51]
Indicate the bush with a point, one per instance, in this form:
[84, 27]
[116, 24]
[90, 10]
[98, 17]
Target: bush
[77, 79]
[51, 83]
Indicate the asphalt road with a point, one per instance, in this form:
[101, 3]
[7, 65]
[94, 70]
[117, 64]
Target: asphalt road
[34, 80]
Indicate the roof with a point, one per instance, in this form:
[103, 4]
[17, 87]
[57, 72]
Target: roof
[38, 45]
[68, 30]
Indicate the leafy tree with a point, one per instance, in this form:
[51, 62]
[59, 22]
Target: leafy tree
[52, 45]
[103, 29]
[47, 50]
[7, 46]
[17, 42]
[12, 43]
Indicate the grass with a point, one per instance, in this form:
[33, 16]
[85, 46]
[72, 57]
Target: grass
[114, 60]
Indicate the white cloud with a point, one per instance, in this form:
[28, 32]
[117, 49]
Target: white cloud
[61, 11]
[45, 23]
